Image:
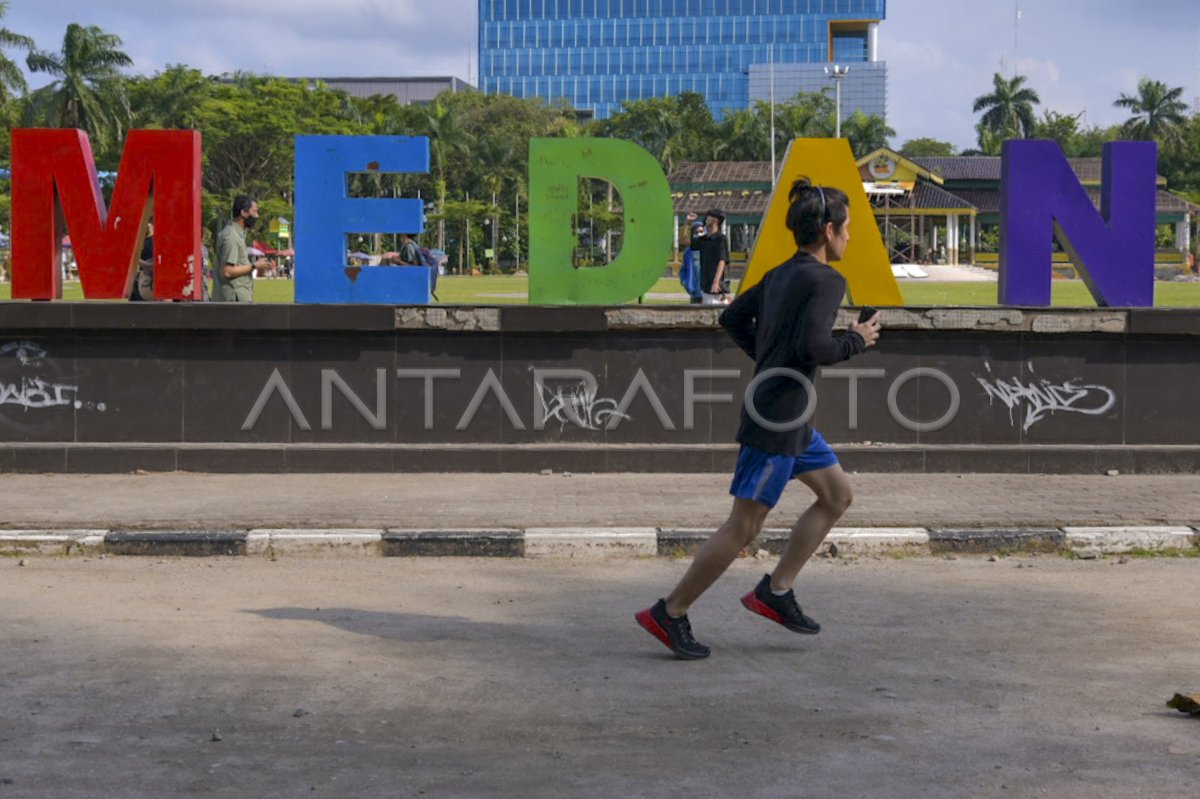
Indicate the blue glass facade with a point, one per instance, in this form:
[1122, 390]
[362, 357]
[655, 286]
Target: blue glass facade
[598, 53]
[864, 89]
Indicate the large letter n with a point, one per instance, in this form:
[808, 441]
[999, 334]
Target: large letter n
[1043, 199]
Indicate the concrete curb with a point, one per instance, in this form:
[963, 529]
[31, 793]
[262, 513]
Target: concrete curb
[586, 543]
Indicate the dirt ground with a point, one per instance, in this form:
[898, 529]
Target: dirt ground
[1037, 676]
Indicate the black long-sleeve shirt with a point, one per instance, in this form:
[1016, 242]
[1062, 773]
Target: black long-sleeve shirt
[713, 249]
[786, 322]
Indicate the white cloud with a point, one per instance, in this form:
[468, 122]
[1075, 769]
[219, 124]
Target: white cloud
[919, 58]
[1125, 79]
[1040, 71]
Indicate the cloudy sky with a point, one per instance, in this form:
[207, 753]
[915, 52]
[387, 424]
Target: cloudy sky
[1079, 54]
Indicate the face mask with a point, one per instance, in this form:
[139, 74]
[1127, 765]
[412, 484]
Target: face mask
[249, 222]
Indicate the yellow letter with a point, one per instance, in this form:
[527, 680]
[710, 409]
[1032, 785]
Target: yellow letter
[866, 266]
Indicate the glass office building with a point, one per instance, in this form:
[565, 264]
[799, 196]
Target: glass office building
[597, 54]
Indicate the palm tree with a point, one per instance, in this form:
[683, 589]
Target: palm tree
[805, 116]
[496, 155]
[448, 138]
[744, 135]
[1008, 109]
[655, 124]
[1158, 113]
[866, 133]
[991, 142]
[12, 80]
[90, 91]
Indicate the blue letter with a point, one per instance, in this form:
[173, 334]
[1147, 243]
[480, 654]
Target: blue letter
[325, 215]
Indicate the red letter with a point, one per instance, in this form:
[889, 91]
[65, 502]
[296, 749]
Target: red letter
[163, 162]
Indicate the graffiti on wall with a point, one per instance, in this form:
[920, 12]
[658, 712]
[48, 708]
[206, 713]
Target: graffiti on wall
[34, 384]
[577, 405]
[1041, 398]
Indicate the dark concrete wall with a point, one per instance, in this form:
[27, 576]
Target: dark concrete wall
[94, 387]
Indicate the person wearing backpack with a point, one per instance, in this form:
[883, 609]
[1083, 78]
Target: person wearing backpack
[689, 270]
[430, 260]
[410, 253]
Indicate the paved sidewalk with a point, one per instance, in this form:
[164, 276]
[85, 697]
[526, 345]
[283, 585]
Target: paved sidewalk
[522, 501]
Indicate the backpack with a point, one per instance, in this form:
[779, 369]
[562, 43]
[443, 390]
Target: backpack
[689, 273]
[430, 260]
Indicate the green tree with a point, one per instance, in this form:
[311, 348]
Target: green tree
[495, 155]
[698, 134]
[927, 148]
[744, 135]
[1158, 112]
[866, 133]
[442, 122]
[12, 80]
[672, 129]
[12, 85]
[249, 126]
[1089, 143]
[169, 99]
[808, 115]
[1179, 161]
[1061, 128]
[990, 141]
[1008, 108]
[464, 219]
[89, 90]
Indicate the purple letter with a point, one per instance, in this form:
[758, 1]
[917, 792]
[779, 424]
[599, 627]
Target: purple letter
[1041, 199]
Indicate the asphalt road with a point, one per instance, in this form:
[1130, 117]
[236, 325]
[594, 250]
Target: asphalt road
[1038, 676]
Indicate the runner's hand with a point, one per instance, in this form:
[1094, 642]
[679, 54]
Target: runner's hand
[869, 330]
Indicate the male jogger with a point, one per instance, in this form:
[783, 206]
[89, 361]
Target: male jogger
[785, 323]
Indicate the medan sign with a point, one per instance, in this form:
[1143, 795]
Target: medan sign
[55, 188]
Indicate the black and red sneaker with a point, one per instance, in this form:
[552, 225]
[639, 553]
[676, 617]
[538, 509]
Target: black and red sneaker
[676, 634]
[779, 609]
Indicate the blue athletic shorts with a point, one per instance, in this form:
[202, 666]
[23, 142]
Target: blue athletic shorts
[762, 476]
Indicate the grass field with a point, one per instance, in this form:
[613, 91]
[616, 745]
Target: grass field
[453, 290]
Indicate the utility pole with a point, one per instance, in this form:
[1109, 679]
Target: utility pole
[838, 73]
[1196, 109]
[772, 60]
[1016, 38]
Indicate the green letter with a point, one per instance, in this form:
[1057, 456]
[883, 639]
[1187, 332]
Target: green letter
[555, 169]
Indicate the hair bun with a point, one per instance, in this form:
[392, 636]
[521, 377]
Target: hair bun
[798, 188]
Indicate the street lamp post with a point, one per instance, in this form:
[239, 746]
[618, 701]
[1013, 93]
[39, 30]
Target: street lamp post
[838, 73]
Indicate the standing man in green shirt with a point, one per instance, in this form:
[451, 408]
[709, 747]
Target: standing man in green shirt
[233, 274]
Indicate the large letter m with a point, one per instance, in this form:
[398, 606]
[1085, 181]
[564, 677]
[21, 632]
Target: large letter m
[55, 190]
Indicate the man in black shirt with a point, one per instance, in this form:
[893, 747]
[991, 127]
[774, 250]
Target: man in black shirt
[785, 323]
[713, 248]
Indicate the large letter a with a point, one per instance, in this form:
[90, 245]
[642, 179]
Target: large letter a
[866, 266]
